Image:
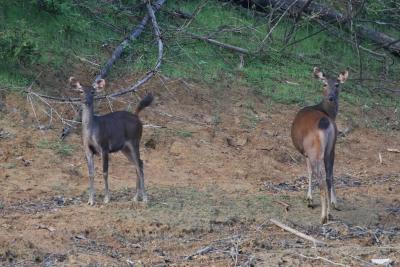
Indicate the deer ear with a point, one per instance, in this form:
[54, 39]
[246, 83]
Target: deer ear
[343, 76]
[74, 83]
[318, 74]
[99, 85]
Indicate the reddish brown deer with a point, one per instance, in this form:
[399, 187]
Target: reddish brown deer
[314, 134]
[115, 131]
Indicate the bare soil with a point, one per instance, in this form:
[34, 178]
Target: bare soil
[215, 172]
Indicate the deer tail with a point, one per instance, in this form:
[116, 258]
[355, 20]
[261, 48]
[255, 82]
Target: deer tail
[145, 102]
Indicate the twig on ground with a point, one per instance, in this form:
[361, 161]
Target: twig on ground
[299, 234]
[49, 228]
[218, 43]
[394, 150]
[321, 258]
[201, 251]
[286, 205]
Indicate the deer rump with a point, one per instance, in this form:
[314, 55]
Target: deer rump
[313, 128]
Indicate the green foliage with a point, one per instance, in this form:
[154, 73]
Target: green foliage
[55, 7]
[51, 35]
[184, 133]
[18, 44]
[60, 148]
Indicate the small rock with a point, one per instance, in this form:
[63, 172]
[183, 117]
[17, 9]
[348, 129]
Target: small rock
[384, 262]
[240, 140]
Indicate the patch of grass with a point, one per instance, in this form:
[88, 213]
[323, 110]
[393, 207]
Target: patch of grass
[60, 148]
[184, 133]
[10, 165]
[53, 35]
[197, 210]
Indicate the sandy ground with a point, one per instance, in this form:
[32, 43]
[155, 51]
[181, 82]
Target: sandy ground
[215, 173]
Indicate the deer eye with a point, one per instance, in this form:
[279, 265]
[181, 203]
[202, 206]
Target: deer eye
[337, 85]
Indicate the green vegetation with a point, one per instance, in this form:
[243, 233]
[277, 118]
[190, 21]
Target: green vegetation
[59, 36]
[60, 148]
[184, 133]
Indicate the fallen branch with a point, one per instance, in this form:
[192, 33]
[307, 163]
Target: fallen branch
[321, 258]
[218, 43]
[299, 234]
[394, 150]
[201, 251]
[284, 204]
[45, 227]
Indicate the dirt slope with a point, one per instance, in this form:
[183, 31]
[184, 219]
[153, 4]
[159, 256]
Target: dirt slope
[213, 172]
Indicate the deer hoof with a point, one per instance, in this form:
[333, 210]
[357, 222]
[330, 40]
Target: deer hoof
[310, 203]
[137, 198]
[106, 199]
[141, 198]
[324, 220]
[90, 202]
[335, 207]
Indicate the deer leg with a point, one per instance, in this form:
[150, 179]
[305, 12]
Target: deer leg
[90, 163]
[140, 191]
[309, 192]
[132, 153]
[318, 173]
[329, 162]
[105, 156]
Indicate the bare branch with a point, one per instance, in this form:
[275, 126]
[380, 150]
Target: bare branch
[133, 36]
[299, 234]
[218, 43]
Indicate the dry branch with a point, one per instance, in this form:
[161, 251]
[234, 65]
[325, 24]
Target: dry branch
[316, 242]
[296, 20]
[132, 37]
[218, 43]
[201, 251]
[195, 13]
[284, 204]
[323, 259]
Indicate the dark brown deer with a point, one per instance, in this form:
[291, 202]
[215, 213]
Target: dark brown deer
[314, 134]
[115, 131]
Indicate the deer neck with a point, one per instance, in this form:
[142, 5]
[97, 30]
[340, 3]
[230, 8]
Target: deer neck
[330, 108]
[87, 118]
